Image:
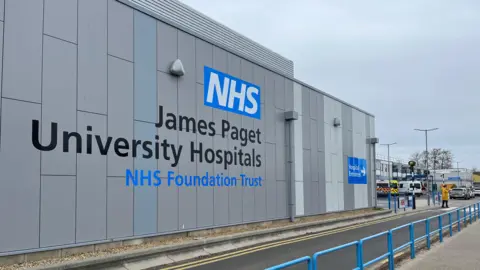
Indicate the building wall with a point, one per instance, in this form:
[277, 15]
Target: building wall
[103, 64]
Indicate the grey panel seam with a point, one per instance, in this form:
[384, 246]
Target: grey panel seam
[60, 39]
[120, 58]
[102, 114]
[106, 131]
[27, 101]
[41, 127]
[76, 125]
[1, 75]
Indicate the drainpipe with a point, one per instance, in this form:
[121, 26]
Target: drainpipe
[373, 141]
[290, 116]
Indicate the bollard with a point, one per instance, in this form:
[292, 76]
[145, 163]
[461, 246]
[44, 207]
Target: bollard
[395, 204]
[389, 198]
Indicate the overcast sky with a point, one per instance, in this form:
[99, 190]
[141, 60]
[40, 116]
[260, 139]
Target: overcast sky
[413, 64]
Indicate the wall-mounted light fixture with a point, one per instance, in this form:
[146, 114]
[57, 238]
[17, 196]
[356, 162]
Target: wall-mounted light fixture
[177, 69]
[337, 122]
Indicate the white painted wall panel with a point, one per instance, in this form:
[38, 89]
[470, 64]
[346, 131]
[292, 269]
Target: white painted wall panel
[298, 144]
[359, 151]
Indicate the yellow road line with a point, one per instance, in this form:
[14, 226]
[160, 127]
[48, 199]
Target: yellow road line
[275, 244]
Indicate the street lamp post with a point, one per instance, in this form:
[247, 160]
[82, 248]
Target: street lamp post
[458, 173]
[426, 158]
[388, 168]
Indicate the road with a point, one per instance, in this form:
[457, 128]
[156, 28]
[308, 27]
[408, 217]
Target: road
[261, 258]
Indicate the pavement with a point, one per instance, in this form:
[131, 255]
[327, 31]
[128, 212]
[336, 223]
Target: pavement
[266, 256]
[457, 252]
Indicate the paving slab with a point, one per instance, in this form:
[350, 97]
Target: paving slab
[457, 252]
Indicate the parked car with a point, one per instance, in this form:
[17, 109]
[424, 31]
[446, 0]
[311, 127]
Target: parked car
[460, 193]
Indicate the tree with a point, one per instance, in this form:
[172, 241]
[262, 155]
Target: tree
[417, 157]
[441, 158]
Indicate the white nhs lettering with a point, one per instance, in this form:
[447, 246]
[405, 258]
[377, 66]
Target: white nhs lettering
[222, 91]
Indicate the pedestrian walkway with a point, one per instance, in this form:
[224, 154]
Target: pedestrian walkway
[458, 252]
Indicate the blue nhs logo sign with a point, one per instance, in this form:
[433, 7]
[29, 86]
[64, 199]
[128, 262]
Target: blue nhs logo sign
[225, 92]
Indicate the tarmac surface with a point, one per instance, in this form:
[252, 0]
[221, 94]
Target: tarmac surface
[339, 260]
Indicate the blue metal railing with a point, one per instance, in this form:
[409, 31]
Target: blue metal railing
[474, 215]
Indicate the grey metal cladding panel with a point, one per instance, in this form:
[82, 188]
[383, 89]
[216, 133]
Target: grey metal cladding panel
[316, 199]
[205, 204]
[322, 191]
[280, 154]
[235, 192]
[167, 46]
[92, 56]
[204, 113]
[2, 10]
[305, 102]
[61, 19]
[204, 57]
[145, 67]
[368, 154]
[261, 201]
[145, 197]
[167, 98]
[281, 199]
[259, 80]
[57, 221]
[347, 142]
[220, 62]
[320, 123]
[235, 205]
[307, 198]
[59, 104]
[120, 111]
[348, 189]
[23, 50]
[313, 104]
[313, 159]
[249, 192]
[119, 208]
[186, 83]
[247, 71]
[270, 181]
[91, 183]
[167, 207]
[19, 231]
[288, 95]
[280, 129]
[179, 14]
[306, 134]
[307, 180]
[220, 193]
[120, 30]
[279, 85]
[234, 65]
[187, 207]
[1, 71]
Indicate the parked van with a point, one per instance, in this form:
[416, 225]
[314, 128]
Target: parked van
[410, 187]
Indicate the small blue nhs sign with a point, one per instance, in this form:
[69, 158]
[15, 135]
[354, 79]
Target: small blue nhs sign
[357, 170]
[225, 92]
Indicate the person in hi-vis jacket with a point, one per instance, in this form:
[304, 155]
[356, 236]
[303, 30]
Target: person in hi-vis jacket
[444, 196]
